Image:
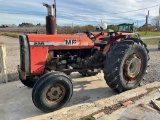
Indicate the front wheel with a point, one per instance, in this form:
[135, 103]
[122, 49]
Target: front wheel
[52, 91]
[126, 64]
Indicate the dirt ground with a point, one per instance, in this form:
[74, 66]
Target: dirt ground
[13, 56]
[154, 68]
[12, 45]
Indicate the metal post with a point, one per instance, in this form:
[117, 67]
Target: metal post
[3, 71]
[147, 22]
[159, 20]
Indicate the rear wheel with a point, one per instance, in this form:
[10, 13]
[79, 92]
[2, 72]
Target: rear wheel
[126, 64]
[52, 91]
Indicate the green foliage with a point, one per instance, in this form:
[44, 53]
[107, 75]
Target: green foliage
[151, 28]
[88, 118]
[113, 27]
[26, 25]
[65, 30]
[143, 34]
[151, 42]
[75, 29]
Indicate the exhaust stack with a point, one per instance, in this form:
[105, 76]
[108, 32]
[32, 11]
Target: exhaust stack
[51, 19]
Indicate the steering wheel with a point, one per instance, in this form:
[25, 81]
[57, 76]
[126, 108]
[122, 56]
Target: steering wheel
[91, 36]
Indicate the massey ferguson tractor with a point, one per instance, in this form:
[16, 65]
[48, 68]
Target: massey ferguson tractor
[46, 59]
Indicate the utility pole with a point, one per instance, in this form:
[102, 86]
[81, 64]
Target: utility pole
[159, 19]
[147, 16]
[136, 26]
[72, 25]
[101, 21]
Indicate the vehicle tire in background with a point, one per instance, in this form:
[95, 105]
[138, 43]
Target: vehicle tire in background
[159, 45]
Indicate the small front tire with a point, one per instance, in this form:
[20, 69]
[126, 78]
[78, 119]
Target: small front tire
[52, 91]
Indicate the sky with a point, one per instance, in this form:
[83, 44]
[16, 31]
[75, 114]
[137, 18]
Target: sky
[79, 12]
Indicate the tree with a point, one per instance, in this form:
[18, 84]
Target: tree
[39, 24]
[156, 22]
[113, 27]
[26, 25]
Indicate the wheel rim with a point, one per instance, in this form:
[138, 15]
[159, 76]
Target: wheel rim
[132, 68]
[55, 93]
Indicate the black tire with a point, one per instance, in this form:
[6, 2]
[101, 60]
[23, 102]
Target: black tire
[42, 91]
[86, 72]
[29, 82]
[126, 64]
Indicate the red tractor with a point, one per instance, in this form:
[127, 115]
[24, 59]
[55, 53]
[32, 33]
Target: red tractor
[46, 59]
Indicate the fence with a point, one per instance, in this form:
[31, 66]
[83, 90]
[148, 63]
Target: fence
[3, 72]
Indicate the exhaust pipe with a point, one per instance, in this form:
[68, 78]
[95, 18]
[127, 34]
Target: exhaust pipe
[51, 19]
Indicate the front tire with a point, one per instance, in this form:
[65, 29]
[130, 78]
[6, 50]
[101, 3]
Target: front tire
[126, 64]
[52, 91]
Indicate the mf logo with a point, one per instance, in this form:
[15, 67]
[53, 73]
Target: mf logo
[70, 42]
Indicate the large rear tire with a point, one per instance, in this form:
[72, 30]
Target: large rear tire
[126, 64]
[52, 91]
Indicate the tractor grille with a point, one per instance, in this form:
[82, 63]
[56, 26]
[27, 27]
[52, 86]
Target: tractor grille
[24, 53]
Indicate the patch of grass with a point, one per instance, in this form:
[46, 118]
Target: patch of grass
[87, 118]
[143, 34]
[152, 42]
[14, 35]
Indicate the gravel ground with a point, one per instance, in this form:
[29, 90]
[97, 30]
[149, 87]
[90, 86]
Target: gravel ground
[154, 62]
[12, 45]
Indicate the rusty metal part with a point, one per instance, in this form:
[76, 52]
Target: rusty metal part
[50, 56]
[108, 45]
[22, 74]
[132, 67]
[55, 93]
[50, 25]
[51, 19]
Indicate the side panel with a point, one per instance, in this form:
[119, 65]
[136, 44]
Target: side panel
[24, 54]
[61, 42]
[38, 56]
[41, 44]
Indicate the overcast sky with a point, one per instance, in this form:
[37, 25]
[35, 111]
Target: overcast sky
[80, 12]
